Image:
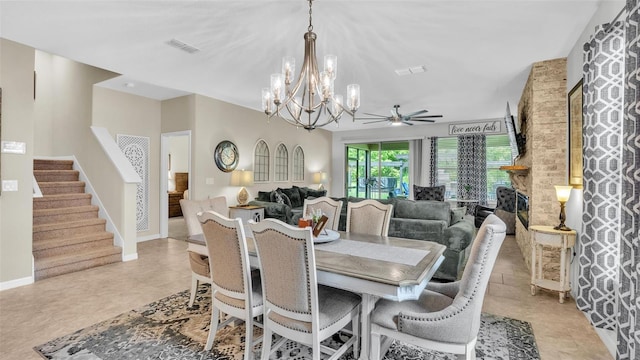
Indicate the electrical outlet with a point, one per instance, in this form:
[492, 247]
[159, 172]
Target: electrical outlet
[9, 185]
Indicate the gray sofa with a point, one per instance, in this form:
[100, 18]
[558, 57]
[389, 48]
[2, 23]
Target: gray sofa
[423, 220]
[285, 204]
[428, 220]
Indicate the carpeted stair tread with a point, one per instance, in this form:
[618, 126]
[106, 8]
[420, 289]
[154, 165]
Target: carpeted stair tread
[48, 216]
[56, 175]
[45, 244]
[61, 201]
[61, 187]
[45, 164]
[70, 228]
[64, 264]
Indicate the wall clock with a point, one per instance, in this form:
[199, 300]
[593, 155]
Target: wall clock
[226, 156]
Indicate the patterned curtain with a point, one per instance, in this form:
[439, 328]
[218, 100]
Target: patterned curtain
[599, 239]
[472, 168]
[628, 322]
[433, 165]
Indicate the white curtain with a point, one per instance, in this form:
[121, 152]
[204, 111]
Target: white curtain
[415, 165]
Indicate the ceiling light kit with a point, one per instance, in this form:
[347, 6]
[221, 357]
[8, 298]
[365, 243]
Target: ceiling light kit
[317, 105]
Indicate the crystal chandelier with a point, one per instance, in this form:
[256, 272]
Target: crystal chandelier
[310, 102]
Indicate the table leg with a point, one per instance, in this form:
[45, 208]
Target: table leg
[368, 303]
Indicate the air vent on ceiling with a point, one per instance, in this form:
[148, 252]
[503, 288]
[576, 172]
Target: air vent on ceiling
[182, 46]
[411, 70]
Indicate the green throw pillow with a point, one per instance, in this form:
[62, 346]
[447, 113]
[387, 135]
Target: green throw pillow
[457, 214]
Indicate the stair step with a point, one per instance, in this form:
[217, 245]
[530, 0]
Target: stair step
[61, 187]
[64, 264]
[70, 228]
[45, 164]
[61, 201]
[56, 175]
[71, 245]
[49, 216]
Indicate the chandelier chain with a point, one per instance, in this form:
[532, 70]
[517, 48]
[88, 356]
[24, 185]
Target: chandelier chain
[310, 28]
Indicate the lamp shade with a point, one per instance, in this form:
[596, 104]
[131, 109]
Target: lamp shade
[241, 178]
[563, 192]
[319, 178]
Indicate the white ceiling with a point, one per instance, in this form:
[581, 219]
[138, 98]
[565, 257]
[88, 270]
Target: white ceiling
[477, 53]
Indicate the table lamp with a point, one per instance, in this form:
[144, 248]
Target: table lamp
[319, 178]
[242, 178]
[563, 193]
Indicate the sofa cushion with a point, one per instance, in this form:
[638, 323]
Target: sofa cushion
[423, 209]
[293, 194]
[428, 192]
[302, 191]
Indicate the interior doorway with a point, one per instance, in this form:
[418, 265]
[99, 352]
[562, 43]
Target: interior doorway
[175, 175]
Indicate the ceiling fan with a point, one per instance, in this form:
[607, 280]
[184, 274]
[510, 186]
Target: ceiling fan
[398, 119]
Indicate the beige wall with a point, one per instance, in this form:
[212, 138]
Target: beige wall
[44, 104]
[16, 80]
[126, 114]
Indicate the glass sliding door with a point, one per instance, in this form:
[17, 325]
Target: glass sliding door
[377, 170]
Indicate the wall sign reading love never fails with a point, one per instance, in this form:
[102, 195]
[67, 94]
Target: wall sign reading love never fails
[488, 127]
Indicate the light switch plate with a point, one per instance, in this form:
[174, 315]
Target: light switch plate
[209, 181]
[14, 147]
[9, 185]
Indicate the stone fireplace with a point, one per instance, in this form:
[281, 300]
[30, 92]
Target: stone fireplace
[542, 115]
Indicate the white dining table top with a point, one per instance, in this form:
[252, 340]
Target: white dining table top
[392, 273]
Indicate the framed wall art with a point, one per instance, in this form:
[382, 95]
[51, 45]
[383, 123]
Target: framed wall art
[574, 102]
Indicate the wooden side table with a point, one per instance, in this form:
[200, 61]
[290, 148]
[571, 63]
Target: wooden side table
[246, 213]
[548, 236]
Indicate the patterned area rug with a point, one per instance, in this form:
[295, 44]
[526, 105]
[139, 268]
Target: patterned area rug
[169, 329]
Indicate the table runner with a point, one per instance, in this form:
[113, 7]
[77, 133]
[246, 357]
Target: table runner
[388, 253]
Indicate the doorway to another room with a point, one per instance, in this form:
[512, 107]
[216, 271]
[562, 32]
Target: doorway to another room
[175, 179]
[378, 170]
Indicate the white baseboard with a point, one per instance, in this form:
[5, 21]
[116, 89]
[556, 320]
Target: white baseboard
[148, 237]
[16, 283]
[130, 257]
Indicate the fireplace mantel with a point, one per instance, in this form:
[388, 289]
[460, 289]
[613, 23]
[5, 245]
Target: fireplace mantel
[518, 176]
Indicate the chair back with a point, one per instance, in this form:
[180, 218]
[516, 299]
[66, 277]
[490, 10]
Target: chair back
[330, 208]
[191, 208]
[506, 199]
[228, 257]
[482, 258]
[369, 217]
[287, 267]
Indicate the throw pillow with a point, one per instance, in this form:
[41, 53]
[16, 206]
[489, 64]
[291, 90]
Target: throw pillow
[316, 193]
[293, 195]
[302, 191]
[428, 192]
[509, 220]
[457, 214]
[280, 198]
[264, 196]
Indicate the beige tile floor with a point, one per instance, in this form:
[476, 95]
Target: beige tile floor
[34, 314]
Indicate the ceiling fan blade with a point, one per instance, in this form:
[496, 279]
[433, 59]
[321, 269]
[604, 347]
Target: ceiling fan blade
[372, 118]
[382, 116]
[423, 120]
[372, 122]
[407, 123]
[426, 116]
[417, 113]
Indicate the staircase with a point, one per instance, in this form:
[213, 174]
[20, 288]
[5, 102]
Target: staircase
[68, 235]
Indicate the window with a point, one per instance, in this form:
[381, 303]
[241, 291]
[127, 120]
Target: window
[261, 162]
[298, 164]
[282, 163]
[498, 154]
[448, 166]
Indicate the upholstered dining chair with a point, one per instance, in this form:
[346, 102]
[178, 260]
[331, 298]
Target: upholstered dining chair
[233, 290]
[295, 306]
[446, 317]
[369, 217]
[330, 208]
[199, 263]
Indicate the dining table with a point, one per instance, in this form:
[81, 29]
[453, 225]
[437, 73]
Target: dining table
[370, 265]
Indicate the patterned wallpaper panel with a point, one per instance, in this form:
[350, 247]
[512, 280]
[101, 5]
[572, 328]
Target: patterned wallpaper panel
[136, 149]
